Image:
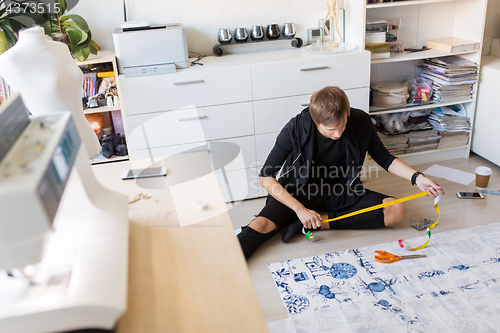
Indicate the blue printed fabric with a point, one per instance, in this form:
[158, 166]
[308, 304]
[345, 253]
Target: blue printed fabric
[455, 289]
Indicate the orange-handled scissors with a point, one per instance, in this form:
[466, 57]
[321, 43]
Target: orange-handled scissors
[386, 257]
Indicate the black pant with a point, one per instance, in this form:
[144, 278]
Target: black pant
[282, 216]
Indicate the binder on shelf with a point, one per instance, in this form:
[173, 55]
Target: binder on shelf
[452, 45]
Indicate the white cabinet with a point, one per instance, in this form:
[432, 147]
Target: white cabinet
[233, 107]
[423, 20]
[486, 135]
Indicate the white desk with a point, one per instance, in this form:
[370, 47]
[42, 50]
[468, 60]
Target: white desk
[183, 279]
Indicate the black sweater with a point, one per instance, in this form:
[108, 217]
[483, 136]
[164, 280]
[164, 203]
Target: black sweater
[293, 151]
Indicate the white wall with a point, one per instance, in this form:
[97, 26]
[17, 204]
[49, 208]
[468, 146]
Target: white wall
[202, 19]
[492, 26]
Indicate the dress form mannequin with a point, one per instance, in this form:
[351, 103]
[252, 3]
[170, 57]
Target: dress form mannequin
[44, 73]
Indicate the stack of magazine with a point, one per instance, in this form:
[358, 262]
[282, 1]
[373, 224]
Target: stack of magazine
[423, 140]
[395, 144]
[452, 77]
[453, 125]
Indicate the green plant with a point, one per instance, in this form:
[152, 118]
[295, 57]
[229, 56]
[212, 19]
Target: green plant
[76, 28]
[12, 15]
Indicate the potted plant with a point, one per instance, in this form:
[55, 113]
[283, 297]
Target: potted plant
[12, 14]
[76, 28]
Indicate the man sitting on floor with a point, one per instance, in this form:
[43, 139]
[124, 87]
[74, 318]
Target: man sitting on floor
[317, 159]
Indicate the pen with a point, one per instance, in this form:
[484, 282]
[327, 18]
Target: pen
[490, 192]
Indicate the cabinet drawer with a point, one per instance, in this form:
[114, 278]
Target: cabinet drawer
[263, 145]
[230, 154]
[359, 98]
[192, 86]
[189, 125]
[299, 77]
[238, 184]
[272, 115]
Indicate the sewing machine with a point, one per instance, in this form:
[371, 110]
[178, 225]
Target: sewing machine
[63, 236]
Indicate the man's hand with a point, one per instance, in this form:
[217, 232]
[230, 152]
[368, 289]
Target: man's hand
[429, 186]
[309, 218]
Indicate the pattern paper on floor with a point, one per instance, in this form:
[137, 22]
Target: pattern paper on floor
[453, 175]
[455, 289]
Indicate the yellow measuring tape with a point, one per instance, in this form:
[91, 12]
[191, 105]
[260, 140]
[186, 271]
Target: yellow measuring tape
[309, 235]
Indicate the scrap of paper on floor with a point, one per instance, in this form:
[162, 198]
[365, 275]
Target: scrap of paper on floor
[461, 177]
[438, 171]
[454, 175]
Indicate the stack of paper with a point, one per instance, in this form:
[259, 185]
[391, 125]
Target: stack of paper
[423, 140]
[452, 77]
[453, 140]
[395, 144]
[453, 124]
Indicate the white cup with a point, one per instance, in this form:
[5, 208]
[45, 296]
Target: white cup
[482, 177]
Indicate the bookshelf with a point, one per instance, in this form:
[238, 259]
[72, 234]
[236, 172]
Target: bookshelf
[423, 20]
[112, 115]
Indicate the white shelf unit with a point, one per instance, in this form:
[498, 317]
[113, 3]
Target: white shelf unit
[105, 56]
[423, 20]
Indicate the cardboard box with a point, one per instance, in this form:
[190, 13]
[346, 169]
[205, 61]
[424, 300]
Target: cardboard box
[452, 45]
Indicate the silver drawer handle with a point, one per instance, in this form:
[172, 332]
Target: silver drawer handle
[304, 104]
[179, 83]
[192, 118]
[196, 151]
[313, 68]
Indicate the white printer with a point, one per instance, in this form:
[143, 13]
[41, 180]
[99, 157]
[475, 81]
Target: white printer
[151, 50]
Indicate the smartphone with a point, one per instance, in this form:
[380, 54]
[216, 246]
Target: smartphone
[144, 173]
[470, 195]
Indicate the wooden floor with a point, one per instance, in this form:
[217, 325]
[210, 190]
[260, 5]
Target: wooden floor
[455, 214]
